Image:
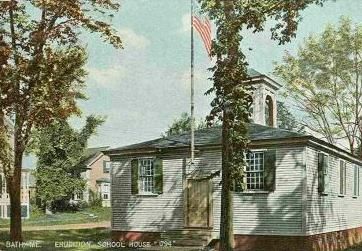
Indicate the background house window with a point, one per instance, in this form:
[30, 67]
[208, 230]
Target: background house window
[77, 196]
[105, 191]
[255, 171]
[146, 175]
[106, 166]
[356, 181]
[342, 177]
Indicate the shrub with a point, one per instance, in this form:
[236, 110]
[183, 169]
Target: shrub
[95, 199]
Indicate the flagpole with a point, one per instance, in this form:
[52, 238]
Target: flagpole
[192, 89]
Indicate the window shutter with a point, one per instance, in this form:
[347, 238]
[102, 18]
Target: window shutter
[321, 172]
[357, 180]
[269, 170]
[345, 178]
[1, 185]
[158, 176]
[134, 174]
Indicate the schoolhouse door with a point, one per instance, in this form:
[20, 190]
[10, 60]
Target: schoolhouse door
[199, 203]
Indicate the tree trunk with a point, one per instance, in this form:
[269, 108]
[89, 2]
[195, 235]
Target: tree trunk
[14, 187]
[226, 218]
[226, 222]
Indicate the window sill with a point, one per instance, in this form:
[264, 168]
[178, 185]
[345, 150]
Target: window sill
[147, 195]
[341, 195]
[323, 193]
[355, 196]
[253, 192]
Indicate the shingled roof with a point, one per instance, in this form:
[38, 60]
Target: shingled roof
[210, 136]
[91, 153]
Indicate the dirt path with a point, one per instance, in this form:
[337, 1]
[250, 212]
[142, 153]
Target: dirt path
[104, 224]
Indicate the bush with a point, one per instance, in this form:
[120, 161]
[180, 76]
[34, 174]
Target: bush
[95, 199]
[35, 211]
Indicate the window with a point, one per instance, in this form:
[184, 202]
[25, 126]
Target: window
[24, 211]
[106, 166]
[146, 175]
[356, 181]
[255, 171]
[269, 111]
[77, 196]
[342, 177]
[105, 191]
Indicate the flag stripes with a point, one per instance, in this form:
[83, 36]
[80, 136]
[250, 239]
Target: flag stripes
[203, 27]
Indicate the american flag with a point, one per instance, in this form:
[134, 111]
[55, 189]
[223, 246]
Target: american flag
[203, 27]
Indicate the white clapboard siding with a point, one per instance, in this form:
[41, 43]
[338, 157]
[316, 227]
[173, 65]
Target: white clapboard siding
[276, 213]
[330, 212]
[147, 213]
[279, 212]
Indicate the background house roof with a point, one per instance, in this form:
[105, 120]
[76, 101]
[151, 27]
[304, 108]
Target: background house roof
[92, 153]
[211, 136]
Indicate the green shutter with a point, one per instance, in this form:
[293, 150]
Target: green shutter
[358, 180]
[345, 178]
[321, 173]
[134, 174]
[269, 170]
[1, 185]
[158, 176]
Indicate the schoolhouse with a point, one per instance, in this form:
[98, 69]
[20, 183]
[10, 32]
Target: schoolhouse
[302, 192]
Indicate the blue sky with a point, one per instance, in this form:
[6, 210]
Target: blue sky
[144, 87]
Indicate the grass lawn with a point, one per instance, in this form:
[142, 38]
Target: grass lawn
[87, 215]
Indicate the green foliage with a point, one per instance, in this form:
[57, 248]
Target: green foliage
[60, 149]
[183, 124]
[233, 93]
[42, 69]
[35, 212]
[233, 96]
[286, 119]
[95, 199]
[324, 80]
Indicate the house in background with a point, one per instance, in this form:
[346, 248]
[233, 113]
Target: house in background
[24, 193]
[97, 176]
[302, 193]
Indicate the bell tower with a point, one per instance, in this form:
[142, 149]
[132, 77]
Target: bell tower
[264, 107]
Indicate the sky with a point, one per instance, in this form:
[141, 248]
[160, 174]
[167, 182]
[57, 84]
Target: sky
[142, 88]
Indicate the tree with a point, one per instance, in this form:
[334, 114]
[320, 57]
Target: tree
[324, 80]
[44, 74]
[59, 149]
[233, 93]
[182, 124]
[286, 119]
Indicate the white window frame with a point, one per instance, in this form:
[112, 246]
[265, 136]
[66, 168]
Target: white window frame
[258, 173]
[107, 162]
[105, 191]
[146, 181]
[327, 176]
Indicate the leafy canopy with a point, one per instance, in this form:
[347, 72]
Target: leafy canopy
[182, 124]
[60, 150]
[324, 80]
